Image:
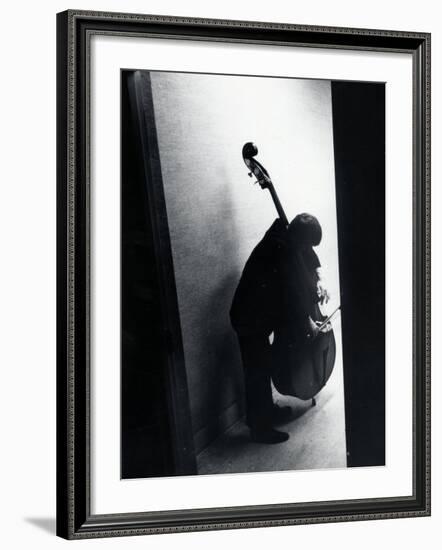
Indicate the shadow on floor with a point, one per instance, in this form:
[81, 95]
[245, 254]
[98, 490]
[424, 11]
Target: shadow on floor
[317, 438]
[46, 524]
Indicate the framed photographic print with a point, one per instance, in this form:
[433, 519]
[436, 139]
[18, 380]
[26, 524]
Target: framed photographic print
[243, 274]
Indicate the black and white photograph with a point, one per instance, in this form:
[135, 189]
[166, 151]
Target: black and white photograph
[252, 274]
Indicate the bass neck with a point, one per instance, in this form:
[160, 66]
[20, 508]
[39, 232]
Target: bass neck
[277, 204]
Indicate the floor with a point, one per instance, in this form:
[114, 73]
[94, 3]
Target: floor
[317, 438]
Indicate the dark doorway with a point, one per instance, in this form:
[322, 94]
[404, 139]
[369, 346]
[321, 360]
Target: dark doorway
[153, 380]
[359, 147]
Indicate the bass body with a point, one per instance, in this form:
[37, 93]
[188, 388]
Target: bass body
[302, 367]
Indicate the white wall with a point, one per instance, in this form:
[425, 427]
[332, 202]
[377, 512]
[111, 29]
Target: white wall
[27, 223]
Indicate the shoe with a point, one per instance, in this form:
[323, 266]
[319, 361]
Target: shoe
[268, 435]
[281, 415]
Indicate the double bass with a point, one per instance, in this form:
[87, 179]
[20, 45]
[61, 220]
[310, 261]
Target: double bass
[303, 364]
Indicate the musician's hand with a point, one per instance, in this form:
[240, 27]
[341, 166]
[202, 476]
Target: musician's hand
[315, 327]
[323, 293]
[325, 328]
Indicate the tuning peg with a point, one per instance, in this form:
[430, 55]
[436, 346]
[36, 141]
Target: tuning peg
[250, 175]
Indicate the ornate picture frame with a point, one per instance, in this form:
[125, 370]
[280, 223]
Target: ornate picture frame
[76, 518]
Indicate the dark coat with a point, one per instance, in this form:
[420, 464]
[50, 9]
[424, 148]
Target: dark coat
[277, 286]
